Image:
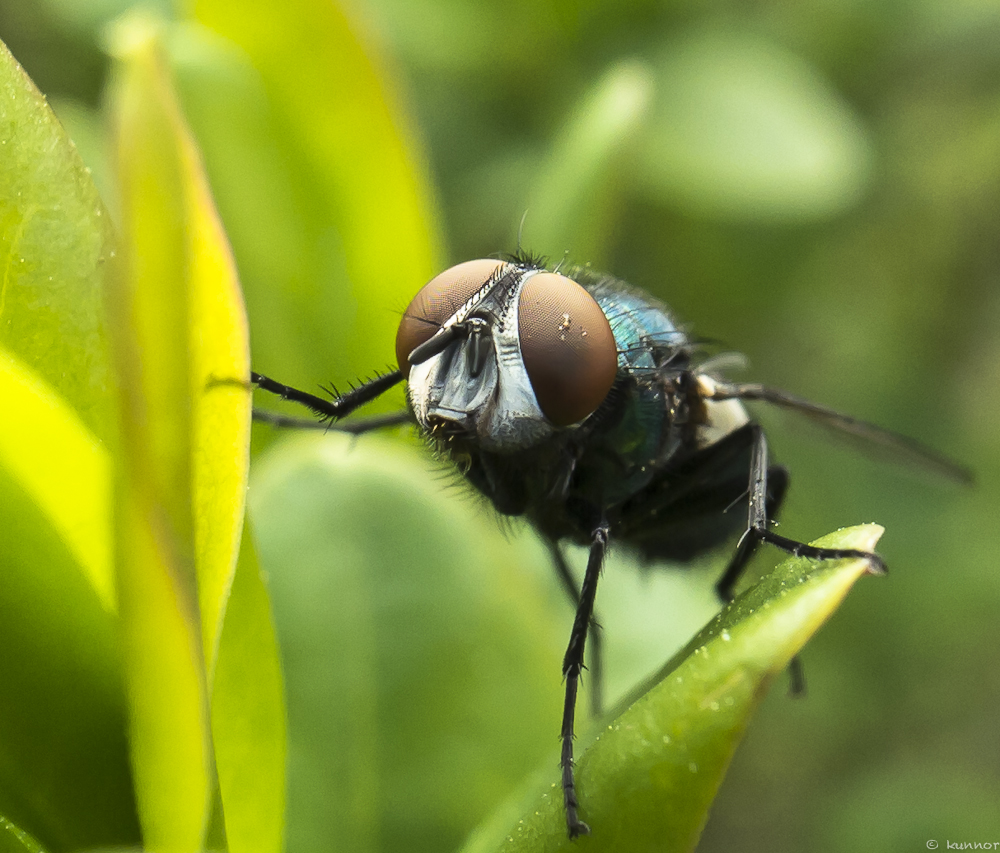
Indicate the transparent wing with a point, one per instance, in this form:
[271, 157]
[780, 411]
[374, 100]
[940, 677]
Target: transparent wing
[901, 448]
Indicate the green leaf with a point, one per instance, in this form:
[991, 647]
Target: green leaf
[648, 780]
[186, 418]
[55, 241]
[321, 182]
[182, 358]
[248, 716]
[574, 193]
[743, 129]
[219, 344]
[14, 840]
[62, 465]
[418, 645]
[247, 708]
[63, 763]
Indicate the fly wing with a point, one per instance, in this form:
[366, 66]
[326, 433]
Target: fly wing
[900, 448]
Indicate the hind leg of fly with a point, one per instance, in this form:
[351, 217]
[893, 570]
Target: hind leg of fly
[776, 486]
[757, 522]
[725, 588]
[762, 509]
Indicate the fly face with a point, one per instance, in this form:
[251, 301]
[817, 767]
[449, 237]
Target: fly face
[585, 409]
[503, 354]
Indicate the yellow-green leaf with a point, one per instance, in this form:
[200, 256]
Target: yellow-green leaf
[64, 468]
[64, 773]
[187, 415]
[220, 362]
[54, 242]
[322, 183]
[15, 840]
[63, 760]
[150, 308]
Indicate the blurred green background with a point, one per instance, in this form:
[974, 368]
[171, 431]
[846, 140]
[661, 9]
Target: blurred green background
[814, 185]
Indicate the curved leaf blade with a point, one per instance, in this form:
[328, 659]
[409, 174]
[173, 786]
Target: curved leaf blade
[333, 151]
[745, 130]
[412, 635]
[15, 840]
[648, 780]
[248, 716]
[247, 708]
[63, 759]
[63, 762]
[55, 241]
[573, 194]
[220, 365]
[63, 466]
[189, 424]
[150, 316]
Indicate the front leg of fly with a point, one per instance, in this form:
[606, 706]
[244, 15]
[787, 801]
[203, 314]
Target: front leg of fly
[342, 405]
[572, 667]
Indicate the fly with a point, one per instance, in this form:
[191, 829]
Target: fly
[577, 402]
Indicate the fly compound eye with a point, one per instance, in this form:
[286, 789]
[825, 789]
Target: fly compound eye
[567, 346]
[436, 301]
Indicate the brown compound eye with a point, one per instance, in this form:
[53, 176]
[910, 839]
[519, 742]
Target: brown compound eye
[567, 346]
[436, 301]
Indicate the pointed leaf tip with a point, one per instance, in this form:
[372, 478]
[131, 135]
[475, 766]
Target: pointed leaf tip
[648, 779]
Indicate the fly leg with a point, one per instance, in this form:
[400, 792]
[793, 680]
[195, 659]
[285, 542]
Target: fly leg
[572, 666]
[329, 411]
[757, 522]
[595, 670]
[777, 485]
[758, 531]
[725, 588]
[358, 427]
[342, 405]
[761, 509]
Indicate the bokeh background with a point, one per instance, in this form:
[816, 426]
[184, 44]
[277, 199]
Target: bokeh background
[814, 185]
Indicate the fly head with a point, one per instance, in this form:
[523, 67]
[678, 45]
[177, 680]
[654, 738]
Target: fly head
[500, 355]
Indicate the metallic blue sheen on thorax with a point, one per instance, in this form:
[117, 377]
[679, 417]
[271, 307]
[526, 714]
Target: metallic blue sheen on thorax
[642, 431]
